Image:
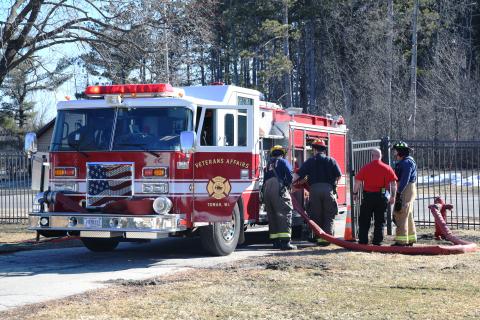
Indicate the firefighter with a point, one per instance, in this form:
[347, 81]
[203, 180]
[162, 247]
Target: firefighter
[323, 174]
[379, 190]
[406, 171]
[278, 204]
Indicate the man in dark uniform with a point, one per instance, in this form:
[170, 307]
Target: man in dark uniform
[278, 203]
[379, 189]
[406, 171]
[323, 174]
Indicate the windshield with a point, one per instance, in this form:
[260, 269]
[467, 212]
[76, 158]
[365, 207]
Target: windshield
[79, 130]
[135, 129]
[151, 128]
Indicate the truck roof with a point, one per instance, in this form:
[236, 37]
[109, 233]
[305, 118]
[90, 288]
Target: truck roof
[222, 94]
[202, 95]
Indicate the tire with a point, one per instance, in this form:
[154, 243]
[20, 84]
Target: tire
[221, 238]
[100, 244]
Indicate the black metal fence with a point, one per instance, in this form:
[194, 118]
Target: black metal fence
[449, 169]
[16, 195]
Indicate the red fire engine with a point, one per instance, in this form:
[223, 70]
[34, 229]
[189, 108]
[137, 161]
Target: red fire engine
[146, 161]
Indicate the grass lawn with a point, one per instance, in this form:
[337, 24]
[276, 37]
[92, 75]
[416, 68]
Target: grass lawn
[11, 233]
[311, 283]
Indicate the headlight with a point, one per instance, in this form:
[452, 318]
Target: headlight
[162, 205]
[44, 221]
[72, 222]
[155, 187]
[114, 223]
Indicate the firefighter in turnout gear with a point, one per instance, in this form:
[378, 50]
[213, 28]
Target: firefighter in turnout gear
[406, 171]
[323, 174]
[278, 203]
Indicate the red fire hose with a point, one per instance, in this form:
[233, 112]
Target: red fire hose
[459, 246]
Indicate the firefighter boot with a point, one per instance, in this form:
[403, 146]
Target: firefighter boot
[276, 243]
[286, 245]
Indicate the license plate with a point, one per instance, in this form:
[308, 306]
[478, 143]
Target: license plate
[92, 222]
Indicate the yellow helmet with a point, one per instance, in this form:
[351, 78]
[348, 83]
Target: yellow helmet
[279, 149]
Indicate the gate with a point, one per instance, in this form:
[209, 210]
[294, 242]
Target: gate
[360, 155]
[449, 169]
[16, 195]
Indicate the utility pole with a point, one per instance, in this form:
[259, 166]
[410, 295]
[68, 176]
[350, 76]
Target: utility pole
[413, 79]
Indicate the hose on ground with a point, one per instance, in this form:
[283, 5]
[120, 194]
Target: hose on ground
[459, 246]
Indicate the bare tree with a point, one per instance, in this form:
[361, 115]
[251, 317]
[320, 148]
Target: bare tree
[33, 25]
[26, 78]
[167, 46]
[286, 51]
[413, 71]
[389, 66]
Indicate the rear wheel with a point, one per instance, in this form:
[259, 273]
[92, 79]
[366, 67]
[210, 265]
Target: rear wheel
[100, 244]
[221, 238]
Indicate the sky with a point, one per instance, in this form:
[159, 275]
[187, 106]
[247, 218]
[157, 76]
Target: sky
[45, 101]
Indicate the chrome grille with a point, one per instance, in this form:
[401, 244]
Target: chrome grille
[108, 182]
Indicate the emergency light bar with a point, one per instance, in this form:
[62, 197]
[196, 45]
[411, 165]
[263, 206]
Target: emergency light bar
[133, 90]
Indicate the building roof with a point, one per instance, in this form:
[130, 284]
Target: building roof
[46, 127]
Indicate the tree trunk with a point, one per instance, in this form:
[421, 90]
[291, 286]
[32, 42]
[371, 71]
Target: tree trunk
[235, 61]
[310, 66]
[188, 71]
[202, 68]
[389, 65]
[413, 74]
[254, 72]
[286, 52]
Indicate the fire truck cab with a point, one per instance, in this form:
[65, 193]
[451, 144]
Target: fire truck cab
[145, 161]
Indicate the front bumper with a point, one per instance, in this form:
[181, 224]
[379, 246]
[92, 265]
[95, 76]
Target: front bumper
[107, 226]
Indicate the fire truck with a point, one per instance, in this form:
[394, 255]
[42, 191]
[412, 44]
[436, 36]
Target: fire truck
[138, 162]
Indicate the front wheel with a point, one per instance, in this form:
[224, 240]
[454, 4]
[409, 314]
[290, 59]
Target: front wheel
[221, 238]
[100, 244]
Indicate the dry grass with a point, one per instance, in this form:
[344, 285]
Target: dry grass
[313, 283]
[11, 233]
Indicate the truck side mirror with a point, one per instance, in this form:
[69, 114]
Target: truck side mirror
[30, 145]
[187, 141]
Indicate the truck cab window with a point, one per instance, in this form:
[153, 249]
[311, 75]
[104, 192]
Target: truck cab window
[207, 134]
[155, 128]
[244, 101]
[224, 127]
[83, 129]
[229, 130]
[242, 128]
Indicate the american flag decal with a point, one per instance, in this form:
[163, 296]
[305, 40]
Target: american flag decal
[107, 182]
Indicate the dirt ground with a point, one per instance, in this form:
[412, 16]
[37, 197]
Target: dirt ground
[10, 233]
[16, 237]
[311, 283]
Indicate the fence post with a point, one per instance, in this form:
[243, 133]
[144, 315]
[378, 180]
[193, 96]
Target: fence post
[42, 173]
[351, 169]
[385, 147]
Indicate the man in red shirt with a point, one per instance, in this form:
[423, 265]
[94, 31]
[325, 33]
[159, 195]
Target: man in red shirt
[379, 190]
